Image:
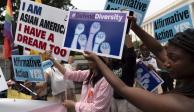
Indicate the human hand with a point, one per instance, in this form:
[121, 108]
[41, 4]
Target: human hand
[90, 56]
[69, 103]
[128, 41]
[48, 55]
[133, 21]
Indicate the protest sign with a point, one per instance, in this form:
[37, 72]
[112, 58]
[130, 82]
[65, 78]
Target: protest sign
[168, 25]
[27, 68]
[46, 64]
[100, 32]
[3, 83]
[41, 27]
[148, 79]
[139, 7]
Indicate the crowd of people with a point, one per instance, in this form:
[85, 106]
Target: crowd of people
[109, 84]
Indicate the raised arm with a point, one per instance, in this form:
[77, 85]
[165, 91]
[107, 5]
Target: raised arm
[151, 43]
[56, 64]
[144, 100]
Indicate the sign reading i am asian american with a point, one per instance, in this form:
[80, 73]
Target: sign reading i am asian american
[100, 32]
[41, 27]
[148, 79]
[27, 68]
[139, 7]
[168, 25]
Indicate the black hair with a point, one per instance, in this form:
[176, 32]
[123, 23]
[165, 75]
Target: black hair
[96, 77]
[184, 40]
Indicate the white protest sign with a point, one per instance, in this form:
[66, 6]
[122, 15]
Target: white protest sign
[41, 27]
[3, 83]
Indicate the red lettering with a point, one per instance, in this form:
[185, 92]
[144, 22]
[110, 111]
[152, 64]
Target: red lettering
[31, 41]
[57, 51]
[20, 26]
[51, 37]
[26, 29]
[19, 37]
[51, 47]
[63, 52]
[34, 32]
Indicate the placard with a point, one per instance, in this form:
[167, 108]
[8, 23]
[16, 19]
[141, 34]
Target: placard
[3, 83]
[168, 25]
[139, 7]
[100, 32]
[27, 68]
[41, 27]
[148, 79]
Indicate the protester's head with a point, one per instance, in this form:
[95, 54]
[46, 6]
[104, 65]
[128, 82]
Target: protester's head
[180, 51]
[144, 51]
[95, 74]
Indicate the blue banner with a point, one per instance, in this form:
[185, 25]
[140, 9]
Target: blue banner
[47, 64]
[176, 21]
[27, 68]
[148, 79]
[99, 32]
[139, 7]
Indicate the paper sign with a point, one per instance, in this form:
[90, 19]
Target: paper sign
[138, 7]
[100, 32]
[41, 27]
[46, 64]
[3, 83]
[148, 79]
[175, 21]
[27, 68]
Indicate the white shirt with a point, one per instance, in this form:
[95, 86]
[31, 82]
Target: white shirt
[58, 84]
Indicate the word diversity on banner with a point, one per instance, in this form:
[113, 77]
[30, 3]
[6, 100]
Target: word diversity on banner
[3, 83]
[27, 68]
[41, 27]
[175, 21]
[139, 7]
[148, 79]
[99, 32]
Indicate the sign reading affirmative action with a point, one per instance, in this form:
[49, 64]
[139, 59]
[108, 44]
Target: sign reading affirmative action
[27, 68]
[100, 32]
[41, 27]
[139, 7]
[175, 21]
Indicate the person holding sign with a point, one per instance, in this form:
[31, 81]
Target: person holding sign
[177, 58]
[96, 91]
[125, 70]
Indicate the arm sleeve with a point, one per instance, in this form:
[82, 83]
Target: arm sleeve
[78, 76]
[101, 100]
